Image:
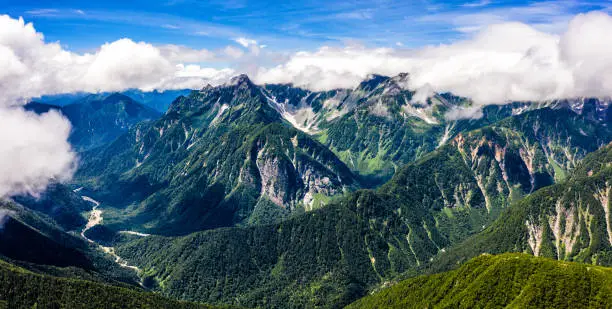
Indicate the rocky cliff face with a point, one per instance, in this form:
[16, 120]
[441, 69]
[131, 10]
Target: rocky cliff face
[212, 159]
[574, 224]
[566, 221]
[382, 124]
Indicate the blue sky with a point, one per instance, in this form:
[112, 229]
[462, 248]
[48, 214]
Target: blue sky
[284, 25]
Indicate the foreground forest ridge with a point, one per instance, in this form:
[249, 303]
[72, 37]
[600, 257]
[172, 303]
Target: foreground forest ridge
[272, 196]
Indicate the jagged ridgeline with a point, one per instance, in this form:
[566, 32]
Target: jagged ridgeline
[382, 124]
[333, 255]
[567, 221]
[373, 128]
[231, 155]
[503, 281]
[219, 157]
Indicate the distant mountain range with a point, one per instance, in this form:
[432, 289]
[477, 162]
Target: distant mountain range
[99, 119]
[158, 100]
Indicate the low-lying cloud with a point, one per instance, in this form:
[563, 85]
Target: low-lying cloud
[4, 216]
[33, 151]
[504, 62]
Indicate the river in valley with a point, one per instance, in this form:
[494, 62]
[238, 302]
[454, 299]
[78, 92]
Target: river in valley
[95, 218]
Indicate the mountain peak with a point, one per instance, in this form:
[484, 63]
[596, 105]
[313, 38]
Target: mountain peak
[117, 97]
[206, 88]
[371, 82]
[239, 80]
[401, 78]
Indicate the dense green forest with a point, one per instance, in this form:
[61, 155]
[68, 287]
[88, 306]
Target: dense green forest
[501, 281]
[567, 221]
[335, 254]
[20, 288]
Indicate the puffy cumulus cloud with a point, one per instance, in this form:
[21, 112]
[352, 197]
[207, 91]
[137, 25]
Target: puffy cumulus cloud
[587, 53]
[504, 62]
[192, 77]
[34, 148]
[33, 151]
[330, 68]
[183, 54]
[32, 67]
[233, 52]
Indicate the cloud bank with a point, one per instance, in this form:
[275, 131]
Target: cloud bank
[32, 67]
[33, 151]
[4, 216]
[504, 62]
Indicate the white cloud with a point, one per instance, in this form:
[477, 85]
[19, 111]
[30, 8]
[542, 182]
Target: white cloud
[245, 42]
[508, 61]
[504, 62]
[171, 26]
[549, 16]
[183, 54]
[233, 52]
[32, 67]
[4, 216]
[330, 68]
[43, 12]
[477, 4]
[195, 77]
[33, 151]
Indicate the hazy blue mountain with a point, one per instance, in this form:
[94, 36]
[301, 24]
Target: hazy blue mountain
[99, 119]
[158, 100]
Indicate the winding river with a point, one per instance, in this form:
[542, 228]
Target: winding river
[95, 218]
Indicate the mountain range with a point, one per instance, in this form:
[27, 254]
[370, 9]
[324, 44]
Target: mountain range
[98, 119]
[157, 100]
[274, 196]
